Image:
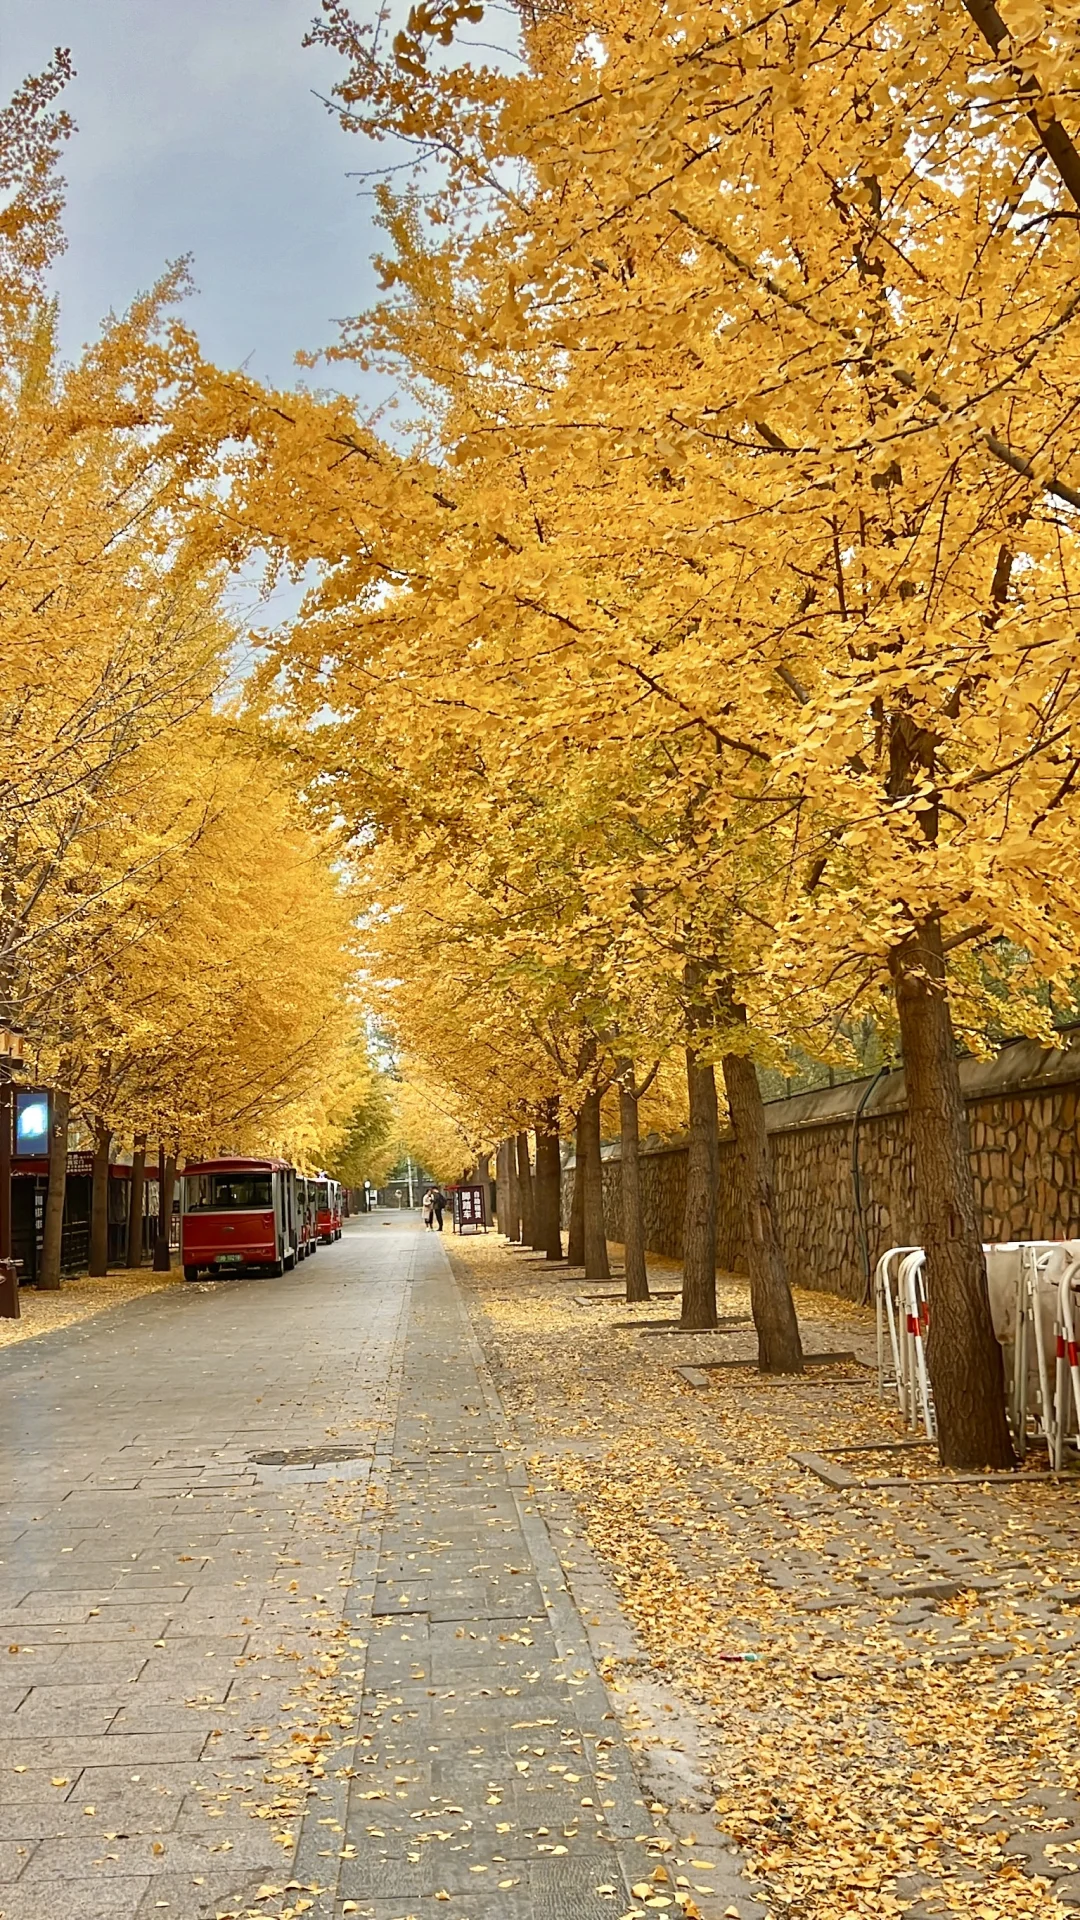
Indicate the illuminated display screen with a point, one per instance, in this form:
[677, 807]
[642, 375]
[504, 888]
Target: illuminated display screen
[32, 1123]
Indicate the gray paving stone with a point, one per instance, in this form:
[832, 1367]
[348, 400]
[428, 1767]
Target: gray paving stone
[58, 1818]
[173, 1716]
[185, 1897]
[114, 1630]
[15, 1856]
[33, 1784]
[64, 1607]
[510, 1903]
[98, 1784]
[80, 1666]
[68, 1751]
[112, 1900]
[123, 1856]
[568, 1889]
[436, 1869]
[50, 1716]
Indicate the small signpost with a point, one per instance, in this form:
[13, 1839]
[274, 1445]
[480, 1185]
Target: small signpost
[470, 1214]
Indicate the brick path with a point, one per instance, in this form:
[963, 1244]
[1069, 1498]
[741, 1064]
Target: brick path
[346, 1678]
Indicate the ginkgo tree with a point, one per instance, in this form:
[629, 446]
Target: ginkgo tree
[221, 1012]
[177, 942]
[495, 1042]
[507, 702]
[771, 336]
[574, 871]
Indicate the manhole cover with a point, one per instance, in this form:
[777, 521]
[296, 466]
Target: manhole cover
[308, 1456]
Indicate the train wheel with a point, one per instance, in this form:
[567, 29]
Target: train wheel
[191, 1273]
[277, 1267]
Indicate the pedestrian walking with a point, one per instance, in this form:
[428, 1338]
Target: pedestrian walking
[428, 1210]
[438, 1201]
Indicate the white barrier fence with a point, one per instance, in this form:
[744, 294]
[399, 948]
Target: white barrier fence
[1033, 1287]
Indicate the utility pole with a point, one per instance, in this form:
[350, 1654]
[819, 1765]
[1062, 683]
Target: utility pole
[408, 1171]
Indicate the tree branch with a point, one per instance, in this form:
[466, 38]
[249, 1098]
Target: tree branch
[968, 933]
[1053, 139]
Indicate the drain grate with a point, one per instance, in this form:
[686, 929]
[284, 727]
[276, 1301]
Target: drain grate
[308, 1456]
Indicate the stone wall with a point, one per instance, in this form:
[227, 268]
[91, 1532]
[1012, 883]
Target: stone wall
[1023, 1123]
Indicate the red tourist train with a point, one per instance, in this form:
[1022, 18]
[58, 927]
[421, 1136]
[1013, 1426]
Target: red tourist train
[328, 1205]
[309, 1224]
[241, 1216]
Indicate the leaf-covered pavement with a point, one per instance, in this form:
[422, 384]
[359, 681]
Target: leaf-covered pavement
[881, 1683]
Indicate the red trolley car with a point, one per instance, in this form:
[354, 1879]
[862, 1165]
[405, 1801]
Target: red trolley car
[308, 1227]
[238, 1215]
[328, 1208]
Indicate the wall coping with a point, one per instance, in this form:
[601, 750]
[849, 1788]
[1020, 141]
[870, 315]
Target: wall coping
[1020, 1066]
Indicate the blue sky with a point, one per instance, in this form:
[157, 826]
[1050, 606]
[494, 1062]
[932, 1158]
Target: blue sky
[199, 134]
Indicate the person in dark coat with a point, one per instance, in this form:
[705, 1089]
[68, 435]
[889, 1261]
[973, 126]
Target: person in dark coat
[438, 1201]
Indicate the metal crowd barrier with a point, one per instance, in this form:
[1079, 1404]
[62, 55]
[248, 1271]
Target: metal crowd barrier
[1033, 1288]
[903, 1314]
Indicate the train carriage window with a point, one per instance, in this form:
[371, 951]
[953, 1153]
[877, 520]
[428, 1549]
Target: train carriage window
[323, 1191]
[221, 1192]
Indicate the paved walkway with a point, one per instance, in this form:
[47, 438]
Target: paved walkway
[280, 1628]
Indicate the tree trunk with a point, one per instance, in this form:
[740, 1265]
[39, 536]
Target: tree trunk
[135, 1203]
[699, 1220]
[637, 1279]
[52, 1238]
[502, 1188]
[597, 1266]
[483, 1179]
[963, 1356]
[536, 1229]
[166, 1186]
[99, 1201]
[513, 1218]
[548, 1172]
[575, 1244]
[525, 1188]
[779, 1345]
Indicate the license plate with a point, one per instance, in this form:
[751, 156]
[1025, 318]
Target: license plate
[230, 1259]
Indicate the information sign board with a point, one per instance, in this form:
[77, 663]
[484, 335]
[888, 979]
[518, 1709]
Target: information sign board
[470, 1214]
[33, 1114]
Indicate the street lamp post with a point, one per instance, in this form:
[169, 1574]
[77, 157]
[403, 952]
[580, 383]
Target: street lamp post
[12, 1052]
